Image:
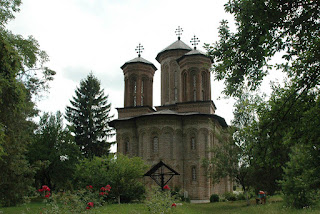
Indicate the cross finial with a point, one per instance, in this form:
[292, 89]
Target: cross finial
[139, 49]
[194, 41]
[179, 32]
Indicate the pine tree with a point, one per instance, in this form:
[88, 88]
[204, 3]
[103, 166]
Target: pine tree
[89, 116]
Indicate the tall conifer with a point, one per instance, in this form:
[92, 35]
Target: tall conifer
[89, 116]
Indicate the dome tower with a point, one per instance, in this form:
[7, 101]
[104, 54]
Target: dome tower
[170, 70]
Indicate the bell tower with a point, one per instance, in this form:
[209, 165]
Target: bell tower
[195, 75]
[138, 78]
[138, 86]
[170, 71]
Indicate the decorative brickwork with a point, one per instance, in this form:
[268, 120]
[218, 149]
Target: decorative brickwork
[180, 132]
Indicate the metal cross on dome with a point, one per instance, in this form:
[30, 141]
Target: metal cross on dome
[139, 49]
[179, 32]
[194, 41]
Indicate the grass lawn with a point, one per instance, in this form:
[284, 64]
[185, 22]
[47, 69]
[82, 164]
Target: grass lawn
[274, 205]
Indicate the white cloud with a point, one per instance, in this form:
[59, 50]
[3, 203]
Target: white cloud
[100, 36]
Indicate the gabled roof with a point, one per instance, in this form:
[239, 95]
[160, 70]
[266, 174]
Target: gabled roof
[139, 60]
[177, 45]
[159, 165]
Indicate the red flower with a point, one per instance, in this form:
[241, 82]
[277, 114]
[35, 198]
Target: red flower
[90, 204]
[108, 187]
[45, 188]
[103, 189]
[89, 187]
[88, 208]
[47, 195]
[173, 205]
[40, 190]
[101, 193]
[166, 187]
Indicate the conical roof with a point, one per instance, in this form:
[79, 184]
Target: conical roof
[177, 45]
[139, 59]
[194, 52]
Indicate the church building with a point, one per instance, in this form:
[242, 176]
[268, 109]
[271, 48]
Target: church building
[180, 132]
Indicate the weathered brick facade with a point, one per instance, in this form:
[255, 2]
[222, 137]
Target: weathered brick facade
[180, 132]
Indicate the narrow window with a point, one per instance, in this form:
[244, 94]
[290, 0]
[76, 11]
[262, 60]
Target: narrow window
[142, 85]
[167, 86]
[175, 94]
[185, 86]
[194, 88]
[135, 86]
[155, 145]
[194, 173]
[141, 100]
[176, 86]
[176, 78]
[126, 147]
[204, 85]
[193, 143]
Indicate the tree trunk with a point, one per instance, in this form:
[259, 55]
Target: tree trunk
[247, 198]
[119, 199]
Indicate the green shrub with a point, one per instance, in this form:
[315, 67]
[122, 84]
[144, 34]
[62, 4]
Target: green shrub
[121, 172]
[229, 196]
[214, 198]
[241, 196]
[160, 201]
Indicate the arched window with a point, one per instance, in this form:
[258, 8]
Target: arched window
[194, 78]
[126, 147]
[167, 85]
[185, 86]
[175, 94]
[194, 173]
[134, 100]
[133, 91]
[142, 86]
[155, 145]
[204, 85]
[175, 85]
[134, 86]
[193, 143]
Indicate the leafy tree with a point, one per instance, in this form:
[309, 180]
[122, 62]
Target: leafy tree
[121, 172]
[232, 157]
[264, 28]
[125, 174]
[22, 76]
[54, 152]
[242, 59]
[89, 117]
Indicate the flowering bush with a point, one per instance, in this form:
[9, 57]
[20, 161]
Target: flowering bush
[105, 190]
[160, 201]
[45, 189]
[78, 201]
[90, 204]
[166, 187]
